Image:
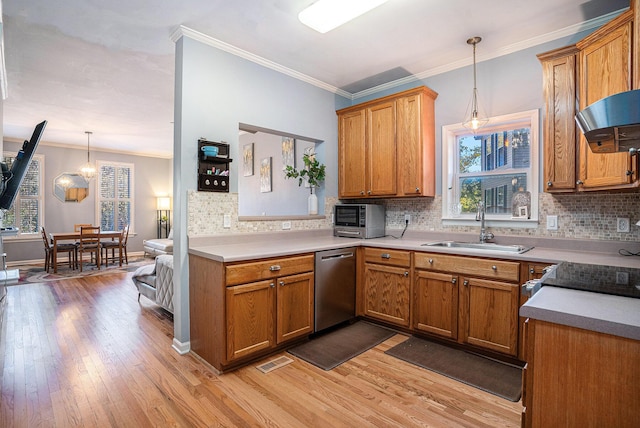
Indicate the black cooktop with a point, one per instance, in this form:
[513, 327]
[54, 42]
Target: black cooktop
[619, 281]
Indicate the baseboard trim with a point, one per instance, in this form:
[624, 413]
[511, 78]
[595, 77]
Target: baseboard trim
[181, 348]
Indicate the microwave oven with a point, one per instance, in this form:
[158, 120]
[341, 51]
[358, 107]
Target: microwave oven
[358, 220]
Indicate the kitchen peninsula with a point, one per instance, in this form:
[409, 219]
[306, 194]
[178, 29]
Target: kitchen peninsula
[224, 267]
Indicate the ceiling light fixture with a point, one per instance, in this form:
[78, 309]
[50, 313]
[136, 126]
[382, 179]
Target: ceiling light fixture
[473, 120]
[325, 15]
[88, 171]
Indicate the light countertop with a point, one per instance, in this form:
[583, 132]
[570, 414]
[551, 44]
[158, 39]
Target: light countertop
[604, 313]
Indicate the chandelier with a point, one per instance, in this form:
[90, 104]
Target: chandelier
[472, 118]
[88, 171]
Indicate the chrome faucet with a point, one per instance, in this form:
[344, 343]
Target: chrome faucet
[484, 235]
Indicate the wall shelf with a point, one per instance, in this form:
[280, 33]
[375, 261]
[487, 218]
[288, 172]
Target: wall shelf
[213, 171]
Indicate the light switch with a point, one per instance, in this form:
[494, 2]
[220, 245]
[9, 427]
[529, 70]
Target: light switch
[552, 222]
[226, 221]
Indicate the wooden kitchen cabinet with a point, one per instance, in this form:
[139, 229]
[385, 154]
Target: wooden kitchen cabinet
[386, 147]
[489, 314]
[573, 78]
[436, 303]
[487, 303]
[579, 378]
[244, 310]
[263, 314]
[387, 285]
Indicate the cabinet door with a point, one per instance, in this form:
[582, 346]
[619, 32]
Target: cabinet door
[250, 318]
[386, 293]
[409, 139]
[559, 89]
[294, 306]
[351, 154]
[436, 304]
[381, 150]
[489, 315]
[605, 70]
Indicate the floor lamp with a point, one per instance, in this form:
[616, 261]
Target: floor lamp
[164, 216]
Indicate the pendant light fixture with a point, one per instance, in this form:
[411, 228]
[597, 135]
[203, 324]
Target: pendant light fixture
[88, 171]
[473, 120]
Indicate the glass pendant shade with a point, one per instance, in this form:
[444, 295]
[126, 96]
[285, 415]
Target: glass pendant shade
[473, 120]
[88, 170]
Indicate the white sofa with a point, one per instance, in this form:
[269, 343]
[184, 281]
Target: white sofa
[155, 281]
[156, 247]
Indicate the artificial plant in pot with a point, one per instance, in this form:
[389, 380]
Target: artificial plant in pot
[312, 173]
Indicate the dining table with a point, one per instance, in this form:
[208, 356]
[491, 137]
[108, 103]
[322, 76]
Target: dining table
[75, 236]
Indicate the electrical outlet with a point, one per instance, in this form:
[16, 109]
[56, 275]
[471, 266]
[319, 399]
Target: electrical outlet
[286, 225]
[622, 225]
[552, 222]
[226, 221]
[622, 278]
[407, 219]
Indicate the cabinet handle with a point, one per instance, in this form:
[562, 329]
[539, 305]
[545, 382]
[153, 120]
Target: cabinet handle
[362, 192]
[454, 280]
[369, 192]
[532, 270]
[494, 267]
[430, 261]
[417, 190]
[579, 182]
[465, 283]
[274, 268]
[549, 184]
[406, 274]
[385, 256]
[629, 172]
[281, 283]
[272, 285]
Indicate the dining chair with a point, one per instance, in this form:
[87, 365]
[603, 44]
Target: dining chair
[90, 243]
[78, 226]
[70, 249]
[113, 245]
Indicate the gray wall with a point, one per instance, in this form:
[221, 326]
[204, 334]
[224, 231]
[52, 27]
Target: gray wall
[152, 177]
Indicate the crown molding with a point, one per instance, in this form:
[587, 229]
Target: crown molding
[183, 31]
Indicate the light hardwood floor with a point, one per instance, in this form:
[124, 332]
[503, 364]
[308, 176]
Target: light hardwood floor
[84, 352]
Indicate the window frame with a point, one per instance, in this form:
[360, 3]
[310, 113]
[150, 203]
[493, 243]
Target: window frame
[450, 134]
[21, 236]
[99, 198]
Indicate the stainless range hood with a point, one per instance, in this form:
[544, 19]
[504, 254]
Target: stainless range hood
[613, 123]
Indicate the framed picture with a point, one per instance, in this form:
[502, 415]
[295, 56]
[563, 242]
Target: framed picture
[247, 159]
[288, 152]
[265, 175]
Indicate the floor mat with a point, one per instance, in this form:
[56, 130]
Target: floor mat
[334, 348]
[501, 379]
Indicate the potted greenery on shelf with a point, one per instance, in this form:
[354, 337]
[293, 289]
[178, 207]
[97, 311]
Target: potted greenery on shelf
[312, 173]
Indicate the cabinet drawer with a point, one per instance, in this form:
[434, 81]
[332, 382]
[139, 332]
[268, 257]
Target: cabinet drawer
[266, 269]
[387, 257]
[497, 269]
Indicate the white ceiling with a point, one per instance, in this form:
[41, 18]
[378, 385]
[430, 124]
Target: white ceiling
[108, 66]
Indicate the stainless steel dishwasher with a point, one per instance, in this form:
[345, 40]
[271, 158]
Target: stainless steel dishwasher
[335, 287]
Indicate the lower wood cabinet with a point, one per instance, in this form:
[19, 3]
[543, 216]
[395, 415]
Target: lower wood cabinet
[436, 303]
[579, 378]
[263, 314]
[387, 285]
[479, 310]
[489, 314]
[240, 311]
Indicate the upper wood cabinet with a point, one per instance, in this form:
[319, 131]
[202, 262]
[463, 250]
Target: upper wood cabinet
[386, 147]
[573, 78]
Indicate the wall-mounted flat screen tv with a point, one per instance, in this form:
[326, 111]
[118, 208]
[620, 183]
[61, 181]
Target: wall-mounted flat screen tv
[12, 177]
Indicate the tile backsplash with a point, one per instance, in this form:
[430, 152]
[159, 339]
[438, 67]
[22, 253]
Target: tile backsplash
[580, 216]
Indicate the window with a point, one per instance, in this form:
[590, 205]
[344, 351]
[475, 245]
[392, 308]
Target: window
[27, 210]
[115, 195]
[491, 166]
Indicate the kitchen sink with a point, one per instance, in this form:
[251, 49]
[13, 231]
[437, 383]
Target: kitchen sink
[486, 246]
